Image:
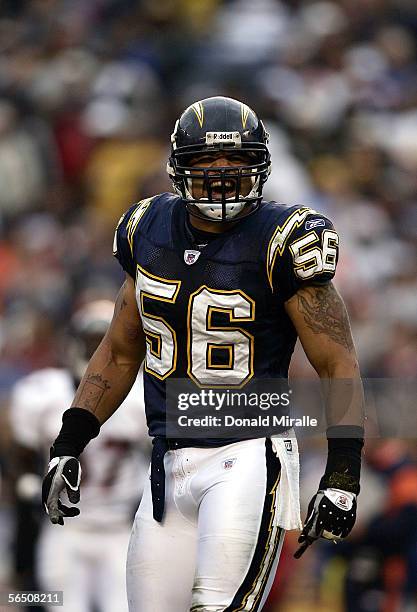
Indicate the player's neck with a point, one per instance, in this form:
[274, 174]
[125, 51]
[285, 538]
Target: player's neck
[209, 226]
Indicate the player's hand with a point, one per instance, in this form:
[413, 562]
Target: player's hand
[63, 473]
[331, 515]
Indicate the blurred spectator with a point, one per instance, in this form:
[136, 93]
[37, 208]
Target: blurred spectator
[382, 557]
[26, 158]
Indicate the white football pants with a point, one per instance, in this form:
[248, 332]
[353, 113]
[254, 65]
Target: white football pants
[87, 565]
[216, 548]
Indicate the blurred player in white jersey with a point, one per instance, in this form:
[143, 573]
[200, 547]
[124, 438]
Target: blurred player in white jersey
[85, 559]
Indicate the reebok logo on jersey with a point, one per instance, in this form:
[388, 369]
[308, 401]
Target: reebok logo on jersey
[229, 463]
[314, 223]
[191, 256]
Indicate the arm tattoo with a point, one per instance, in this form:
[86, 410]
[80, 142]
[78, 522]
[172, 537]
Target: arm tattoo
[324, 312]
[92, 391]
[122, 305]
[132, 332]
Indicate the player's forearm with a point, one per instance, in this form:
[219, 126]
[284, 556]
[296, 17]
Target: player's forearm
[344, 398]
[107, 381]
[342, 389]
[324, 329]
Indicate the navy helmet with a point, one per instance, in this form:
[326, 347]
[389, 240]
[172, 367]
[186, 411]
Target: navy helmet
[227, 128]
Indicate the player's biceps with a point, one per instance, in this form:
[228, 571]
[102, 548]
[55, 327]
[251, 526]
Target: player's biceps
[317, 347]
[291, 308]
[126, 306]
[320, 319]
[126, 310]
[321, 351]
[125, 335]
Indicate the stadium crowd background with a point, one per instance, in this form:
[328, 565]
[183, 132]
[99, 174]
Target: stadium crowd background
[89, 92]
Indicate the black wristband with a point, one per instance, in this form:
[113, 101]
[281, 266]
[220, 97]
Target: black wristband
[79, 426]
[343, 468]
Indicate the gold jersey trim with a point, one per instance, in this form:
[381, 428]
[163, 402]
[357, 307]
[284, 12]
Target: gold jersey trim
[135, 217]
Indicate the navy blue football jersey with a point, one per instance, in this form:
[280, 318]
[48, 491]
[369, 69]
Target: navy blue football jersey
[216, 314]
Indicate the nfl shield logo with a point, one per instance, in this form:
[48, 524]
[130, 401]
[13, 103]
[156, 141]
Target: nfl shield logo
[288, 445]
[229, 463]
[191, 256]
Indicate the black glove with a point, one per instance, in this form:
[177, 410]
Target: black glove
[331, 515]
[63, 473]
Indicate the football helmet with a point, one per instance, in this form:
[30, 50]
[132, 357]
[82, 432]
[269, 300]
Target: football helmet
[225, 128]
[87, 328]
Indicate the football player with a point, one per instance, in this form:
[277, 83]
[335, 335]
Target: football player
[219, 284]
[86, 559]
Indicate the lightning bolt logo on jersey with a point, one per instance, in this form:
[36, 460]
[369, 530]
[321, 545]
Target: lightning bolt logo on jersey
[220, 320]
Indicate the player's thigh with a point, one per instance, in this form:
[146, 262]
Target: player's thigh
[60, 566]
[238, 544]
[110, 572]
[161, 559]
